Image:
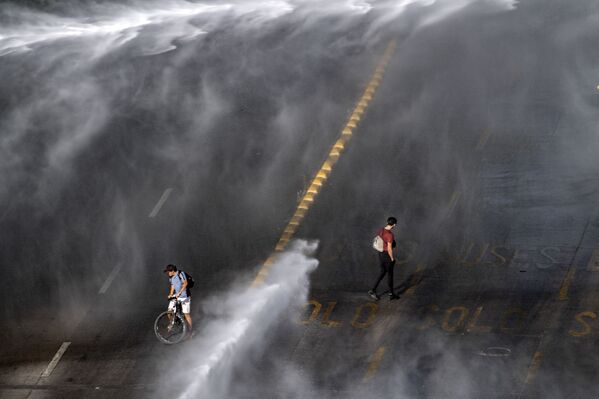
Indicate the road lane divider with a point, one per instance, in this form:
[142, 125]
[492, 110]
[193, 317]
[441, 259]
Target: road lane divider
[160, 202]
[110, 278]
[334, 154]
[52, 365]
[375, 363]
[567, 282]
[453, 202]
[565, 287]
[533, 369]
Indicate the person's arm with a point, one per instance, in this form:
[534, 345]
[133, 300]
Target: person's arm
[183, 288]
[171, 291]
[390, 247]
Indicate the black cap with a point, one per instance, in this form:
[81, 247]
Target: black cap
[170, 268]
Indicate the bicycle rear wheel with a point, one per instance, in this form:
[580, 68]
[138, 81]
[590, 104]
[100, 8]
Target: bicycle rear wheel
[170, 328]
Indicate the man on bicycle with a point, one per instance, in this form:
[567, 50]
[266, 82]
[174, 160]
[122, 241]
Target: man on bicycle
[179, 291]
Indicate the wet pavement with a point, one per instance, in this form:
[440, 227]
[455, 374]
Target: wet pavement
[488, 160]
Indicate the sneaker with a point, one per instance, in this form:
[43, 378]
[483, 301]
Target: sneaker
[393, 297]
[373, 295]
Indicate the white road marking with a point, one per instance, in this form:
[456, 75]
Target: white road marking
[56, 359]
[455, 197]
[496, 351]
[111, 277]
[160, 202]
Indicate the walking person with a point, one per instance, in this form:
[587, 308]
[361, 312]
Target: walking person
[386, 258]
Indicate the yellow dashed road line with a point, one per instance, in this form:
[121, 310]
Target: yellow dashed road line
[375, 363]
[326, 168]
[534, 367]
[565, 287]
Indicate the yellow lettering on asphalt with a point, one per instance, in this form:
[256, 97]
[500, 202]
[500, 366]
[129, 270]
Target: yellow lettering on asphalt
[372, 311]
[447, 320]
[333, 156]
[544, 252]
[472, 324]
[429, 320]
[326, 318]
[519, 256]
[507, 317]
[478, 259]
[502, 259]
[315, 311]
[586, 328]
[416, 279]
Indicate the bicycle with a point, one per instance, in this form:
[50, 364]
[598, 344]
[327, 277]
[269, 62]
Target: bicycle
[170, 326]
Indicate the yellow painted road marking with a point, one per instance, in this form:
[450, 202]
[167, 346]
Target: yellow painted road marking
[565, 287]
[326, 318]
[416, 278]
[315, 312]
[373, 309]
[534, 367]
[586, 328]
[474, 327]
[375, 363]
[563, 291]
[326, 168]
[447, 320]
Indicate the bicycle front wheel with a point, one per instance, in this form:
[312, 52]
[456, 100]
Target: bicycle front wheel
[170, 328]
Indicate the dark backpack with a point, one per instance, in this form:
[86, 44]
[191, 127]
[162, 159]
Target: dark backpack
[190, 282]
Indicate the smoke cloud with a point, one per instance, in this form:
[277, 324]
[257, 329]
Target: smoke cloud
[487, 114]
[238, 322]
[105, 105]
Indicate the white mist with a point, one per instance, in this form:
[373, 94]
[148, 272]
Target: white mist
[241, 319]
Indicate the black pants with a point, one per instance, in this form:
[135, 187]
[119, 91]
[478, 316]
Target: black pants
[386, 268]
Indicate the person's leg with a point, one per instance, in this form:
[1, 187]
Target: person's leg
[381, 276]
[186, 307]
[390, 268]
[171, 310]
[188, 318]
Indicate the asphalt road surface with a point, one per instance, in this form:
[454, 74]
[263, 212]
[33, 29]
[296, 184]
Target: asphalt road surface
[139, 134]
